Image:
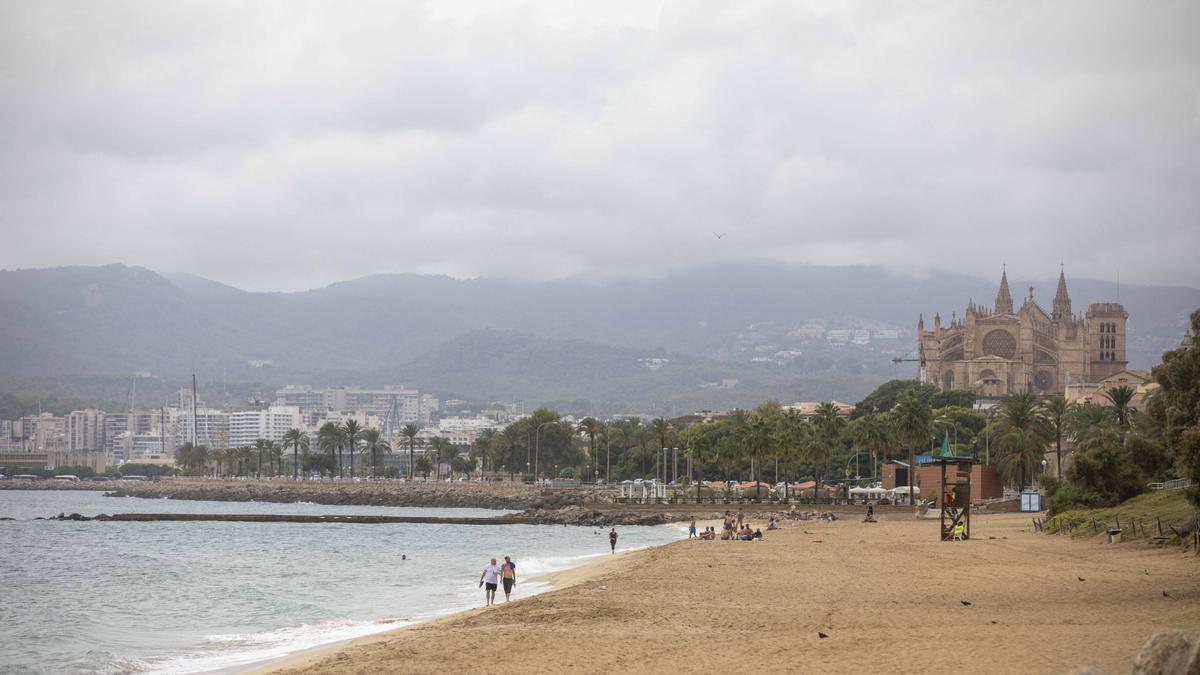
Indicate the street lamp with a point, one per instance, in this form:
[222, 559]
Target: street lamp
[537, 440]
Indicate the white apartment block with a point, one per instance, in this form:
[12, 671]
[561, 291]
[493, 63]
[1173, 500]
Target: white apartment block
[212, 428]
[247, 426]
[411, 405]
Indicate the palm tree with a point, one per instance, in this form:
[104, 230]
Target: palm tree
[297, 440]
[871, 432]
[218, 459]
[512, 438]
[1121, 397]
[758, 438]
[447, 452]
[827, 427]
[661, 428]
[275, 458]
[437, 450]
[1024, 434]
[590, 426]
[330, 439]
[1058, 411]
[792, 437]
[409, 432]
[351, 431]
[911, 420]
[1087, 421]
[374, 444]
[260, 446]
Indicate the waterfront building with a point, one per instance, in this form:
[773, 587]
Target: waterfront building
[40, 433]
[85, 430]
[411, 405]
[211, 428]
[247, 426]
[995, 352]
[53, 459]
[808, 409]
[124, 431]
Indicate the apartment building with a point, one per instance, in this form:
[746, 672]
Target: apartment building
[84, 430]
[247, 426]
[411, 406]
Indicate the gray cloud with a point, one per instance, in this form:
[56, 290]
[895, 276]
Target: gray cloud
[287, 145]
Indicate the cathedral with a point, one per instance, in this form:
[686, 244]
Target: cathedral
[999, 351]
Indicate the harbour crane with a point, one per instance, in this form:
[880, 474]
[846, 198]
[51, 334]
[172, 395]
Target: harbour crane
[920, 359]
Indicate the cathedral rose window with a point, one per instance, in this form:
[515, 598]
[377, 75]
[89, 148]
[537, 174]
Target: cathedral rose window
[1043, 380]
[1000, 343]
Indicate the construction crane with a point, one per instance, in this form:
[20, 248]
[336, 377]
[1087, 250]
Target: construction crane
[920, 359]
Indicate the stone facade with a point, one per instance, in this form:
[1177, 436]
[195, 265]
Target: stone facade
[999, 351]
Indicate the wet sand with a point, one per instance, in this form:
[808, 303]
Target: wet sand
[887, 595]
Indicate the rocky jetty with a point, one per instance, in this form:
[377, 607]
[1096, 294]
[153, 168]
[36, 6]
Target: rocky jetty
[499, 495]
[581, 515]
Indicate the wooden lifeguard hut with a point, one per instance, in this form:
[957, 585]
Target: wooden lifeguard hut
[955, 496]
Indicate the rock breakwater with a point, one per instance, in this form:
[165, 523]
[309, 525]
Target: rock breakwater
[507, 496]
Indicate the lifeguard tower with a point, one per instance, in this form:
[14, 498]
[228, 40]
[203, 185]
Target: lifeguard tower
[955, 497]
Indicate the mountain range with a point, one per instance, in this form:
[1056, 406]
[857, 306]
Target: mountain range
[704, 336]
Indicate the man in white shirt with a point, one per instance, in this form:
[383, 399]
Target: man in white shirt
[490, 577]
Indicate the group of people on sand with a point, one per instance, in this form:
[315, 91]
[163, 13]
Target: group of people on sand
[733, 528]
[502, 575]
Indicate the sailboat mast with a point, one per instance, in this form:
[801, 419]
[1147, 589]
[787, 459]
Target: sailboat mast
[195, 438]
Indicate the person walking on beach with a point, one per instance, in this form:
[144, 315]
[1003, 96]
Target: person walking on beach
[489, 578]
[508, 576]
[612, 539]
[692, 529]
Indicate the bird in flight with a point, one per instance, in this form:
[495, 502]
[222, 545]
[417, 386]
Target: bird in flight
[719, 236]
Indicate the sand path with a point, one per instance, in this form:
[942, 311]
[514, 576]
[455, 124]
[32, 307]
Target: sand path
[887, 595]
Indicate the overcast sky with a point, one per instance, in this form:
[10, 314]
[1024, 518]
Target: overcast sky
[287, 145]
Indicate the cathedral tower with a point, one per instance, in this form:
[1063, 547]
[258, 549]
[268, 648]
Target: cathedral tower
[1004, 298]
[1062, 302]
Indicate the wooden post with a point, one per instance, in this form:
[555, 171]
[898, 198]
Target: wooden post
[1159, 521]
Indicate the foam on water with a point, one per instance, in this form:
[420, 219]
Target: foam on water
[178, 597]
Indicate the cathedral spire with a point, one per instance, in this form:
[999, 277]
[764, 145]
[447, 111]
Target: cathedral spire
[1004, 298]
[1062, 301]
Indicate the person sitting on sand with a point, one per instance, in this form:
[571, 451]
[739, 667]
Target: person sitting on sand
[772, 525]
[747, 535]
[870, 514]
[709, 534]
[726, 534]
[758, 535]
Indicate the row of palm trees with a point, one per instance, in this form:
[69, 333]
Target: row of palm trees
[1018, 432]
[338, 442]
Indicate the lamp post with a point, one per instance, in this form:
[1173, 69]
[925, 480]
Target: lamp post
[537, 440]
[608, 458]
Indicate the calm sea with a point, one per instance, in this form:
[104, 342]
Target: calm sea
[193, 597]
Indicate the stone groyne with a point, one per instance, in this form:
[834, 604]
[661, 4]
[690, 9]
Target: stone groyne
[508, 496]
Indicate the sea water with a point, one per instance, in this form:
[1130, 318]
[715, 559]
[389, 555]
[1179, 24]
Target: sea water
[176, 597]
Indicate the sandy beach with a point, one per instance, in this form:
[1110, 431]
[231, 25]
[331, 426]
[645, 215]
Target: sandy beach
[889, 597]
